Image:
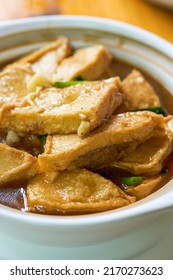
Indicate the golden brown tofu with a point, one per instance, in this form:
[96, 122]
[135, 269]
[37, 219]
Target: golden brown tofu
[88, 63]
[102, 146]
[13, 83]
[148, 157]
[79, 191]
[138, 93]
[147, 187]
[47, 59]
[16, 165]
[79, 108]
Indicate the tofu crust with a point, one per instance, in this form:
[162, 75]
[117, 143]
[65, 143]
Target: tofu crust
[15, 77]
[13, 84]
[61, 46]
[138, 93]
[47, 59]
[147, 187]
[79, 191]
[55, 110]
[149, 156]
[88, 63]
[16, 165]
[98, 149]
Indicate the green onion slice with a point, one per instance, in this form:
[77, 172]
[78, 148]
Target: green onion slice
[157, 110]
[68, 83]
[131, 181]
[43, 139]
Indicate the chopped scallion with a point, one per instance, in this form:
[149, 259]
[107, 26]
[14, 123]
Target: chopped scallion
[68, 83]
[43, 139]
[131, 181]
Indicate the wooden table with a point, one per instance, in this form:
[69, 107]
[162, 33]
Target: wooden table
[138, 12]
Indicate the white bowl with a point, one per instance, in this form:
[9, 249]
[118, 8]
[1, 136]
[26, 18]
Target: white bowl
[98, 236]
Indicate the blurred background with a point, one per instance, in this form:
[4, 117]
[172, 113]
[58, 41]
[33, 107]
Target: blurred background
[153, 15]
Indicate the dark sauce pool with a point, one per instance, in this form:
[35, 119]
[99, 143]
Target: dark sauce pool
[14, 195]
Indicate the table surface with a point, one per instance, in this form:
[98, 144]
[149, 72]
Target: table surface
[141, 13]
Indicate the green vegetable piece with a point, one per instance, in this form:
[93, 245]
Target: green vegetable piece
[132, 181]
[43, 139]
[68, 83]
[157, 110]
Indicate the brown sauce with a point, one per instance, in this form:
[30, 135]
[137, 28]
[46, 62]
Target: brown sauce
[14, 195]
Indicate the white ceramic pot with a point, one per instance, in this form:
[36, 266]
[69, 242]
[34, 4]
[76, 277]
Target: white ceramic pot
[116, 234]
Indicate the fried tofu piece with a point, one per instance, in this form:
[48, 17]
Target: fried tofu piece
[138, 93]
[13, 84]
[148, 186]
[72, 192]
[88, 63]
[16, 165]
[149, 156]
[101, 147]
[32, 71]
[79, 108]
[47, 59]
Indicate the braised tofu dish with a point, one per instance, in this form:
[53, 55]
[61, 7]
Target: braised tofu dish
[81, 132]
